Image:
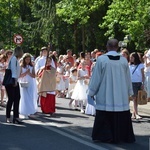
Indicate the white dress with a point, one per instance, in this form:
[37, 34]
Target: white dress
[66, 79]
[80, 90]
[29, 96]
[147, 74]
[2, 66]
[90, 109]
[71, 86]
[61, 85]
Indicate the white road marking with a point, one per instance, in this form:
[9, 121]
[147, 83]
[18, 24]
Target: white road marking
[46, 125]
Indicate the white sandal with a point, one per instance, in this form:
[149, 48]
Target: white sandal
[138, 117]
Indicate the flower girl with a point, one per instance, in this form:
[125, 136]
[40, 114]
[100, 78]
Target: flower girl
[2, 72]
[29, 96]
[79, 93]
[72, 83]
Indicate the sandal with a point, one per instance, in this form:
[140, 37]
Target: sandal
[133, 116]
[2, 104]
[138, 117]
[58, 95]
[62, 95]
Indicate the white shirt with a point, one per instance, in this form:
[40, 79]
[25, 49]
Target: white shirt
[15, 67]
[137, 75]
[41, 63]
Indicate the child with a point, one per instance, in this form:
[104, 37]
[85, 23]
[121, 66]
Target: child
[60, 87]
[72, 83]
[147, 73]
[29, 96]
[79, 92]
[90, 109]
[66, 77]
[2, 72]
[47, 86]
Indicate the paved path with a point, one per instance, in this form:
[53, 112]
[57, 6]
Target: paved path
[67, 130]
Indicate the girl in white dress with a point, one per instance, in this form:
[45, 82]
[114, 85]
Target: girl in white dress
[147, 73]
[79, 93]
[2, 72]
[72, 83]
[90, 108]
[66, 77]
[29, 96]
[60, 86]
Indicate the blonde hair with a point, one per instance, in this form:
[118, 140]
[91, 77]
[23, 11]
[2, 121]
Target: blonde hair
[125, 51]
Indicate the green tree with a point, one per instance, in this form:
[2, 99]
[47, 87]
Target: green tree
[9, 21]
[129, 17]
[78, 13]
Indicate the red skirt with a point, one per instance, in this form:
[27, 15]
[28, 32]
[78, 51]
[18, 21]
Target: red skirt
[48, 103]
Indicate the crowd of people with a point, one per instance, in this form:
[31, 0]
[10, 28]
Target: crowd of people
[97, 83]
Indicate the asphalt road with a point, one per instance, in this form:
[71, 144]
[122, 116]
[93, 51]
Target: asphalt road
[66, 130]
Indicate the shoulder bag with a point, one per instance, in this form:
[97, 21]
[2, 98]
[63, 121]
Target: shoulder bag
[135, 69]
[8, 80]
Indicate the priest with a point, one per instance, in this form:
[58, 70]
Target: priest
[111, 86]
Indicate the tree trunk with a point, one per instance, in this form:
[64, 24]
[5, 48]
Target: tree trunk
[83, 38]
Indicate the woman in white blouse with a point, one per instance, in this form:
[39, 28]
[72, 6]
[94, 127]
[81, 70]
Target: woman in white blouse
[13, 92]
[137, 78]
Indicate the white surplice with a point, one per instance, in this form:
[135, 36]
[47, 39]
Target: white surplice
[111, 83]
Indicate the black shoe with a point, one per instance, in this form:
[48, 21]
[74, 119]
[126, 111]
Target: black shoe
[17, 121]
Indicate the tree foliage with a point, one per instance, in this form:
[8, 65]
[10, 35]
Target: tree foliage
[77, 10]
[77, 24]
[9, 20]
[130, 17]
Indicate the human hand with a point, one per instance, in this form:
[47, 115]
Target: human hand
[142, 87]
[15, 82]
[42, 68]
[28, 71]
[93, 97]
[4, 67]
[86, 77]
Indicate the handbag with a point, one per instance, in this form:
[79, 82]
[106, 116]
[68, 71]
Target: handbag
[142, 97]
[24, 83]
[8, 80]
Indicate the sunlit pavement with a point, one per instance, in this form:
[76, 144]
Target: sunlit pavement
[67, 129]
